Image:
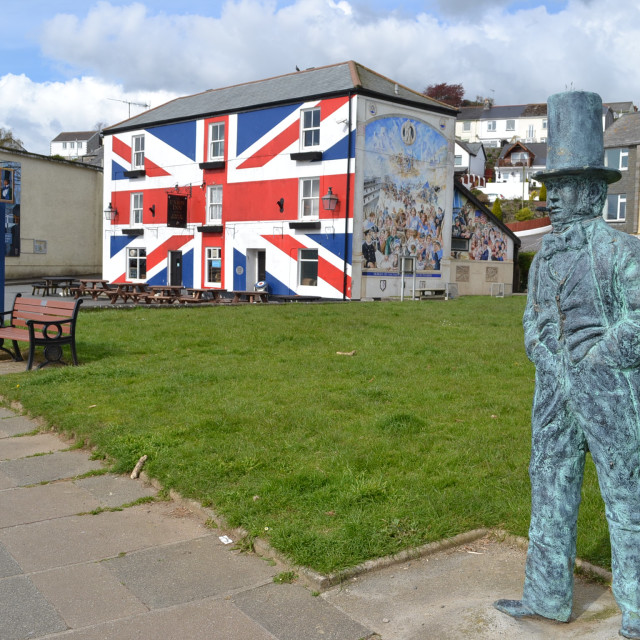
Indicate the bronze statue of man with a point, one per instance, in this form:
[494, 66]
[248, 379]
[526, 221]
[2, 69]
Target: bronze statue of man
[582, 332]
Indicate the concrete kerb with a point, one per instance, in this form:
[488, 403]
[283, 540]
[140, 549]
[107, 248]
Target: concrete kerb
[319, 582]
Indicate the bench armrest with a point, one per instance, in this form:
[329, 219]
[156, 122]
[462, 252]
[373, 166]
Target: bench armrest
[43, 326]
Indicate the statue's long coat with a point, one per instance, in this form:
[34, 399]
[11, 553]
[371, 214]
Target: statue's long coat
[582, 331]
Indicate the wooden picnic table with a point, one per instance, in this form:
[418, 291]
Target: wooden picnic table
[164, 294]
[194, 295]
[93, 287]
[53, 283]
[129, 291]
[251, 296]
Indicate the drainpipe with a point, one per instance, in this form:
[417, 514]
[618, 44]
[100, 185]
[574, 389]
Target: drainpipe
[348, 204]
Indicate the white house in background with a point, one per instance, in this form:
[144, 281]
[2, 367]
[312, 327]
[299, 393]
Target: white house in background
[494, 125]
[72, 145]
[514, 170]
[469, 163]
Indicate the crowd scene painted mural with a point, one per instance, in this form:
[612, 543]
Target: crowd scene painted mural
[486, 241]
[404, 194]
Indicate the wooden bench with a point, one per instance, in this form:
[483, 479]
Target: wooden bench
[49, 323]
[431, 294]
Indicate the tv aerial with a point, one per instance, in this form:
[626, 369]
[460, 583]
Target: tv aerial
[129, 102]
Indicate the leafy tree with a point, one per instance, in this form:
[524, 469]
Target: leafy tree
[542, 196]
[449, 93]
[524, 214]
[9, 141]
[524, 263]
[478, 102]
[497, 209]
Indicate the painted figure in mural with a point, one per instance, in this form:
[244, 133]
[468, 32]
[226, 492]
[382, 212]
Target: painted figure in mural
[582, 331]
[368, 249]
[7, 192]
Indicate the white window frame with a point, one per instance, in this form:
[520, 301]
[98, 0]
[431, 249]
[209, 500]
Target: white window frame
[307, 257]
[213, 254]
[511, 125]
[309, 200]
[544, 124]
[620, 205]
[531, 131]
[136, 258]
[466, 125]
[79, 144]
[491, 125]
[137, 208]
[64, 145]
[309, 128]
[216, 141]
[457, 161]
[214, 204]
[137, 152]
[623, 158]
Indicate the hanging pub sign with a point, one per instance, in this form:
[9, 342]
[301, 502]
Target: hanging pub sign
[177, 211]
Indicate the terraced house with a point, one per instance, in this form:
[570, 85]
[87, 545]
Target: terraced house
[320, 182]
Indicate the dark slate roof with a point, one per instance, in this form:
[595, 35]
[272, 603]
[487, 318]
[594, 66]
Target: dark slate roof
[535, 110]
[472, 148]
[338, 79]
[72, 136]
[493, 113]
[621, 107]
[475, 148]
[625, 131]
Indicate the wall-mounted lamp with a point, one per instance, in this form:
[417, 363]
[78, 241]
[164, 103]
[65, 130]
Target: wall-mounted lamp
[329, 201]
[280, 203]
[152, 208]
[110, 213]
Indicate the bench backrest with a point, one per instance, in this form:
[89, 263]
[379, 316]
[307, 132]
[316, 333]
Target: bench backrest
[44, 310]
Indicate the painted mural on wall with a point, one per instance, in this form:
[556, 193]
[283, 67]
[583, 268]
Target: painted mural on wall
[404, 194]
[11, 183]
[474, 235]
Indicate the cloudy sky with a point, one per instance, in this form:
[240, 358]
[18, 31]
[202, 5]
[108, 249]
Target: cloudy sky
[70, 64]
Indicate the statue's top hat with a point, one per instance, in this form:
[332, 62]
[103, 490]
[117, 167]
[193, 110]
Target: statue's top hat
[575, 140]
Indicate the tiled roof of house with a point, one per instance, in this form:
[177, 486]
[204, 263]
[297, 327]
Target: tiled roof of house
[621, 107]
[475, 148]
[625, 131]
[72, 136]
[472, 148]
[492, 113]
[535, 110]
[338, 79]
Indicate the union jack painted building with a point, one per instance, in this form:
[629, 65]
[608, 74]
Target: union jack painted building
[318, 183]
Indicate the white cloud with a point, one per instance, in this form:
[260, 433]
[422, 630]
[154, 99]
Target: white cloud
[128, 52]
[38, 112]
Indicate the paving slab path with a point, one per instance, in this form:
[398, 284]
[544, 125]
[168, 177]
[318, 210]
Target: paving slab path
[75, 566]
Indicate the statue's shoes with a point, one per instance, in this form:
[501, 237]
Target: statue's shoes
[518, 609]
[630, 625]
[514, 608]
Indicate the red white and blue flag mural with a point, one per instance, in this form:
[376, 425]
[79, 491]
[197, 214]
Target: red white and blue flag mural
[260, 179]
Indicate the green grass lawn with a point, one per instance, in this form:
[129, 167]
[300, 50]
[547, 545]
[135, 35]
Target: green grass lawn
[422, 434]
